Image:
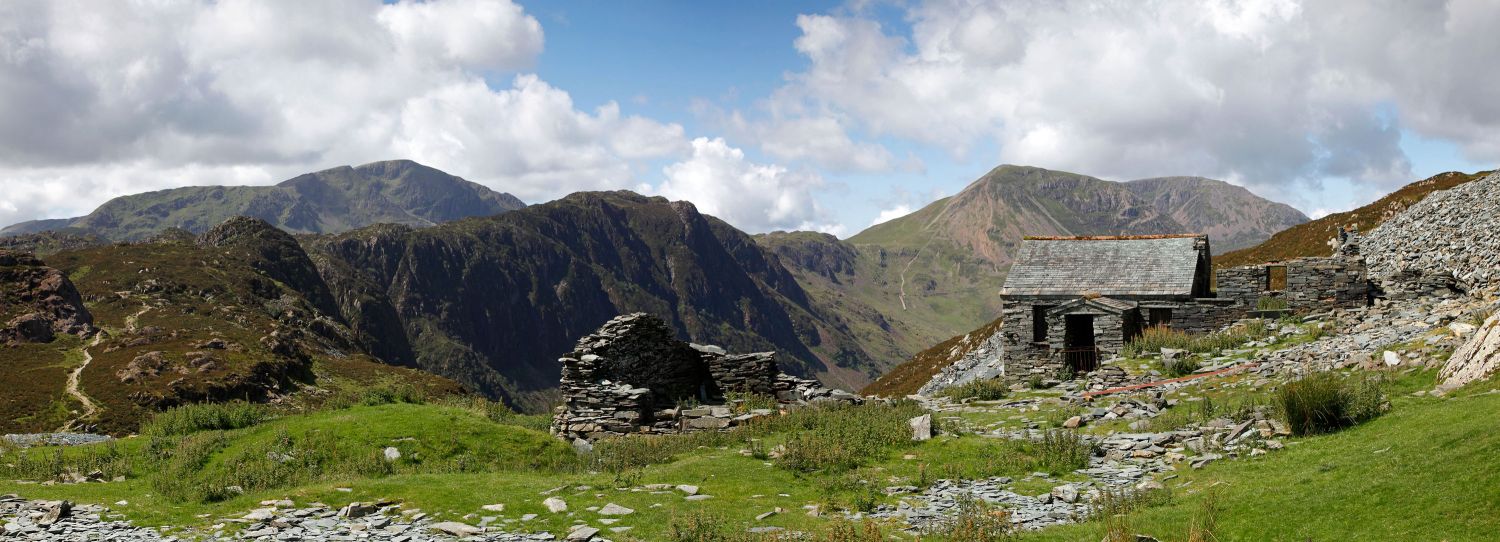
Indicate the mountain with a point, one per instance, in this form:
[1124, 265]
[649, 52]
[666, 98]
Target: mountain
[1232, 217]
[239, 312]
[328, 201]
[1311, 238]
[936, 273]
[491, 302]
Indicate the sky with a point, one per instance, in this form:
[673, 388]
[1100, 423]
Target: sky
[826, 116]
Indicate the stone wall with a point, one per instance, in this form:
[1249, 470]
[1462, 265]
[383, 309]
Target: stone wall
[1204, 315]
[1311, 284]
[633, 376]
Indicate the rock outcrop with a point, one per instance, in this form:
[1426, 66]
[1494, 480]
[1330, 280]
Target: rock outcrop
[1476, 359]
[633, 376]
[1447, 243]
[38, 301]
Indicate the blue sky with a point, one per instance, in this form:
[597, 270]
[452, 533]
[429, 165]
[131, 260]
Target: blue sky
[662, 58]
[772, 115]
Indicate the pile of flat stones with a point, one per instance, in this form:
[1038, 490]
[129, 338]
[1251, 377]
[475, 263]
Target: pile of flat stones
[1449, 240]
[22, 519]
[28, 440]
[1363, 338]
[982, 361]
[1123, 462]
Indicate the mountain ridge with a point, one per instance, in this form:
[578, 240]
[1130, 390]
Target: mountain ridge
[327, 201]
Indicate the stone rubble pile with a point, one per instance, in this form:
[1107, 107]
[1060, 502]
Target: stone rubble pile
[21, 519]
[1122, 462]
[28, 440]
[979, 363]
[633, 376]
[1448, 241]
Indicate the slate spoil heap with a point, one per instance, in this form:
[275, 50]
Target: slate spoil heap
[630, 376]
[1448, 242]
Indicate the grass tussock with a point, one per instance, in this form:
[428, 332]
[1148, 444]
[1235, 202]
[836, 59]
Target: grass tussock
[705, 526]
[1059, 451]
[1271, 304]
[838, 438]
[1154, 339]
[1181, 366]
[973, 520]
[1326, 402]
[989, 389]
[1200, 412]
[52, 463]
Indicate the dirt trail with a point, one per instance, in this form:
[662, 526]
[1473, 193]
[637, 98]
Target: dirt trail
[90, 408]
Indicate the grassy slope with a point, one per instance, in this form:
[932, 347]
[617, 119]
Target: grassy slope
[1311, 239]
[1399, 477]
[194, 294]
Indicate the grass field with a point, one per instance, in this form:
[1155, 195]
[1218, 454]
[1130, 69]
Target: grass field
[1402, 476]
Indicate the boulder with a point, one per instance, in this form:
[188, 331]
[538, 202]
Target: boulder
[32, 327]
[555, 505]
[1476, 359]
[921, 427]
[456, 529]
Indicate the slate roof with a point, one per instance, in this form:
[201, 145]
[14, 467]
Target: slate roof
[1155, 265]
[1114, 306]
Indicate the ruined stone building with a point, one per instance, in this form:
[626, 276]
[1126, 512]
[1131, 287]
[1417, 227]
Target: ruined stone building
[1070, 302]
[634, 376]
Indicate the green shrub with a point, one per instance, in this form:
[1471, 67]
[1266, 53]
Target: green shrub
[1271, 304]
[1059, 451]
[52, 462]
[619, 454]
[744, 403]
[1153, 339]
[384, 392]
[972, 520]
[1180, 367]
[989, 389]
[1325, 402]
[839, 437]
[198, 417]
[697, 526]
[850, 492]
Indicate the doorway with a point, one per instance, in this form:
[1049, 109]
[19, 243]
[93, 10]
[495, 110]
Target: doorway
[1080, 353]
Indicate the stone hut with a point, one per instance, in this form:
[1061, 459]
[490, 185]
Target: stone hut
[1068, 302]
[632, 375]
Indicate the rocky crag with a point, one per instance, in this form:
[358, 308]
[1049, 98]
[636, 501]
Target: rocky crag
[633, 376]
[38, 301]
[492, 301]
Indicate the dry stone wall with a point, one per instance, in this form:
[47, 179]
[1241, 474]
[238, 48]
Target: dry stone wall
[634, 376]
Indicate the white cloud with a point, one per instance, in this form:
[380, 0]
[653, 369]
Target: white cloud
[887, 215]
[1273, 93]
[476, 34]
[721, 182]
[122, 97]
